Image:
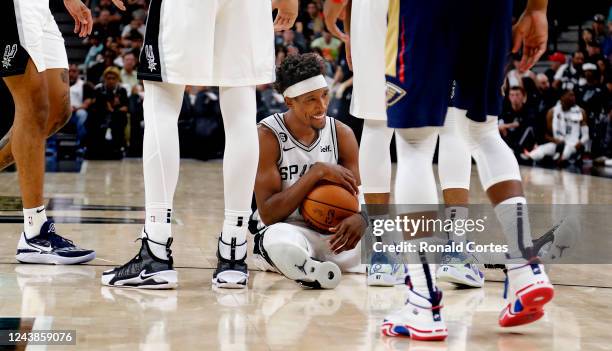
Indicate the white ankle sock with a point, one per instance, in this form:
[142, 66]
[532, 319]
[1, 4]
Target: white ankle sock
[33, 219]
[235, 226]
[158, 229]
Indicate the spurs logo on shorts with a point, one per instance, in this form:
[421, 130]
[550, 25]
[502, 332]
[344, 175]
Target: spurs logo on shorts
[9, 54]
[150, 58]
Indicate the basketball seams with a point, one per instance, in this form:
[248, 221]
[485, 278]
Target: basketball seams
[331, 205]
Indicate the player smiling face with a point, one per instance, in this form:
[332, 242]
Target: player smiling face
[311, 108]
[300, 79]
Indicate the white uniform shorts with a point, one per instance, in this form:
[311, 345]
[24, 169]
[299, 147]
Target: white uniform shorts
[28, 30]
[209, 42]
[368, 35]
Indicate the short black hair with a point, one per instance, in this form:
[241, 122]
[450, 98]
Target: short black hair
[296, 68]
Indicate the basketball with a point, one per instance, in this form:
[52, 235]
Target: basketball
[327, 205]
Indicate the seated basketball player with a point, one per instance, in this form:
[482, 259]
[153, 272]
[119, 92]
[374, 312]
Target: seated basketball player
[318, 148]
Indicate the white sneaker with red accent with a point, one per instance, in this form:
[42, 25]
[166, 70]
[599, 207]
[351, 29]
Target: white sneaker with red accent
[419, 319]
[527, 290]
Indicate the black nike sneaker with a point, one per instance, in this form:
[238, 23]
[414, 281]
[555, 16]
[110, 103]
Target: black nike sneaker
[231, 273]
[51, 248]
[145, 271]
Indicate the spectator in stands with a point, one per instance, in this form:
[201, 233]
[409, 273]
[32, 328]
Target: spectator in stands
[606, 45]
[310, 23]
[129, 77]
[556, 60]
[94, 73]
[106, 24]
[591, 96]
[593, 52]
[586, 36]
[329, 46]
[517, 121]
[569, 74]
[599, 28]
[108, 117]
[288, 39]
[546, 95]
[269, 101]
[133, 42]
[567, 134]
[81, 94]
[96, 48]
[137, 23]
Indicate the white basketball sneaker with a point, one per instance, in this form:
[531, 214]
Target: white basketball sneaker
[296, 264]
[419, 319]
[527, 290]
[466, 275]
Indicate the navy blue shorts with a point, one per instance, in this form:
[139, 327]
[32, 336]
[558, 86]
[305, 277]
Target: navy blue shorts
[443, 53]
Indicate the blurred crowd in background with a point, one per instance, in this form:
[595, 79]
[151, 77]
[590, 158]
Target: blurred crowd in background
[107, 96]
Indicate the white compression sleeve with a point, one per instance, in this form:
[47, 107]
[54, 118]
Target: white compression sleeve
[238, 106]
[375, 157]
[454, 158]
[160, 158]
[495, 161]
[415, 182]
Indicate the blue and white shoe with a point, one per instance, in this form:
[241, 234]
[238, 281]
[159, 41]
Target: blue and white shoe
[50, 248]
[459, 269]
[383, 271]
[466, 275]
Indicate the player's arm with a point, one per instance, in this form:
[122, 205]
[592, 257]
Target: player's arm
[348, 233]
[275, 204]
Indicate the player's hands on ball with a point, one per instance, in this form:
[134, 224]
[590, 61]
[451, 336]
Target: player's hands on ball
[339, 175]
[287, 13]
[347, 234]
[530, 33]
[83, 23]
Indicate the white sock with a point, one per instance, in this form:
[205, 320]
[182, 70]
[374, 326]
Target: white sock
[456, 213]
[158, 228]
[422, 283]
[513, 216]
[235, 226]
[33, 219]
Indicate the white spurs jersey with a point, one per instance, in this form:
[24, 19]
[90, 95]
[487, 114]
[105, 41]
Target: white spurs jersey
[296, 158]
[566, 124]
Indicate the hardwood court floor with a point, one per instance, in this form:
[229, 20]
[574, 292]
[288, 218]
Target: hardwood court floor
[101, 208]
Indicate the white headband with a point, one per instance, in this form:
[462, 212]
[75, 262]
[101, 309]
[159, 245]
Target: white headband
[305, 86]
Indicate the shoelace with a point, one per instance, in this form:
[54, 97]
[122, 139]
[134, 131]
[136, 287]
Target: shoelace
[58, 241]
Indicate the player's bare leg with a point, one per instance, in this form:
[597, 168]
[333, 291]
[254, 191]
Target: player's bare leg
[38, 243]
[29, 93]
[59, 112]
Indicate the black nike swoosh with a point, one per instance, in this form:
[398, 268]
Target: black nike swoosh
[37, 211]
[288, 148]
